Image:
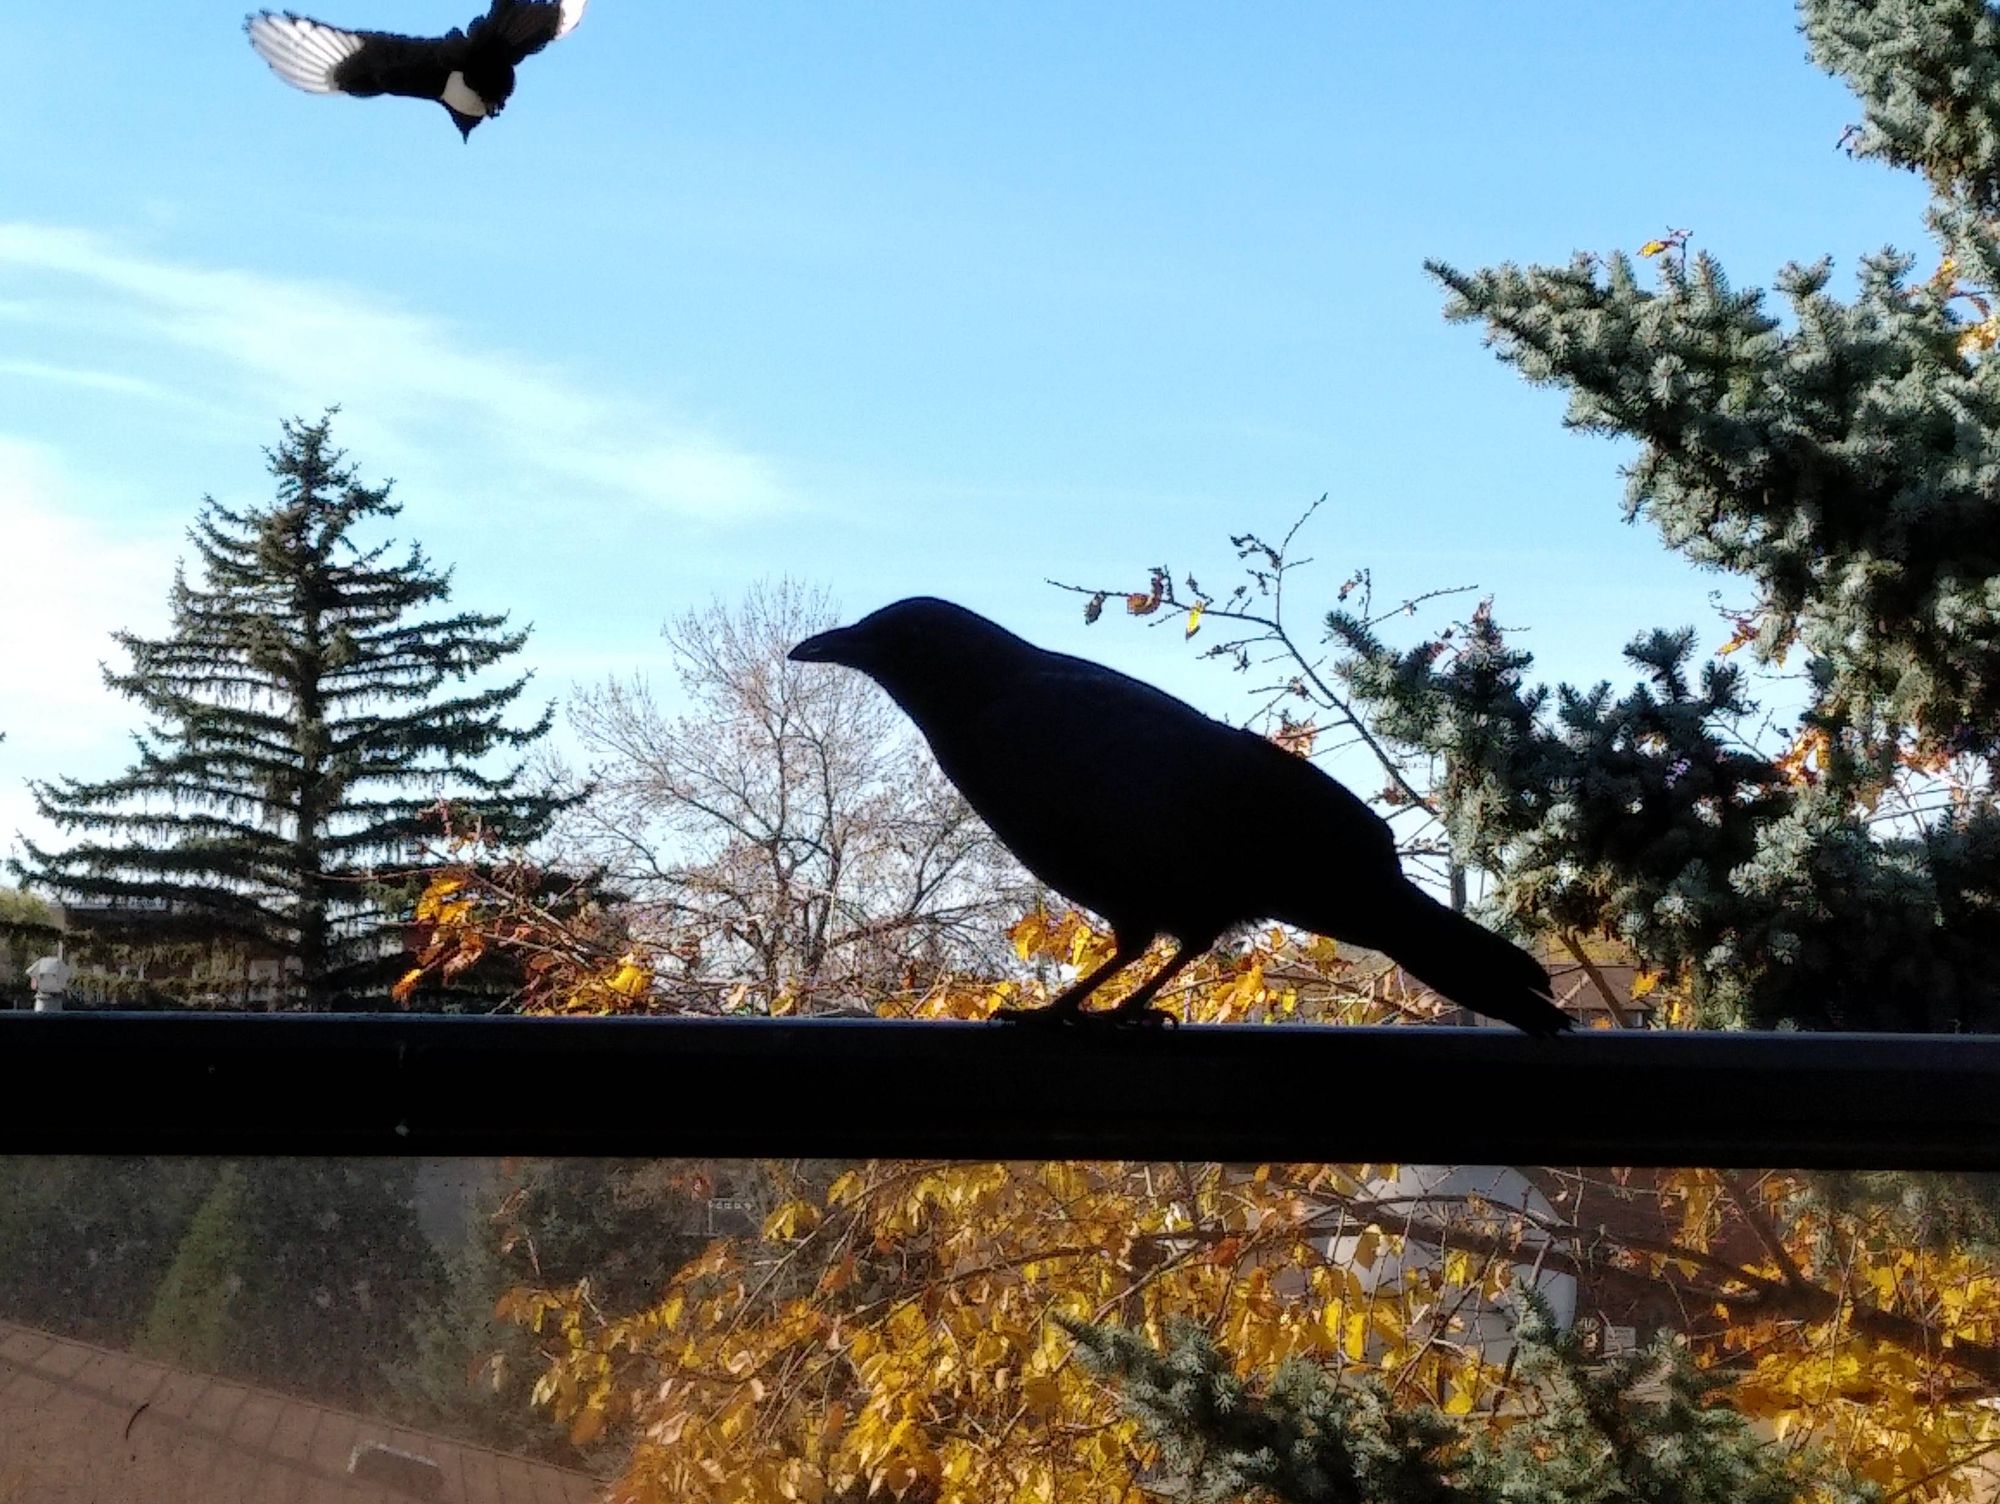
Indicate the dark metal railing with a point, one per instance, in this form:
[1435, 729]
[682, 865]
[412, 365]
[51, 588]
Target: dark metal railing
[196, 1083]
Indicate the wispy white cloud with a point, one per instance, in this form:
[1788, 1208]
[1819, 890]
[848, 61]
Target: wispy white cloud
[111, 333]
[114, 382]
[418, 391]
[66, 584]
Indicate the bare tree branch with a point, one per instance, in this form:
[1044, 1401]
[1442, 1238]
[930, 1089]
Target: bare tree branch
[783, 829]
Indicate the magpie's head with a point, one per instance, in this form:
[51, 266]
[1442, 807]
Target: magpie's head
[466, 94]
[492, 79]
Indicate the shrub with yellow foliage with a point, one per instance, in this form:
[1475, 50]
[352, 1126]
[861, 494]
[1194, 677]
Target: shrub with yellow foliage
[894, 1331]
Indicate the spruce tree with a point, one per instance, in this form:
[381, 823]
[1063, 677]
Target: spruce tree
[85, 1239]
[1836, 460]
[307, 710]
[312, 1275]
[1300, 1438]
[1632, 1430]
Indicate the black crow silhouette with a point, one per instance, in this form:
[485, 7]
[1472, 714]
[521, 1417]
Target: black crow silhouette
[469, 72]
[1160, 820]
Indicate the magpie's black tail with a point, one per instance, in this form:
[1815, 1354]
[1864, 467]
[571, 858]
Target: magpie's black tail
[1467, 962]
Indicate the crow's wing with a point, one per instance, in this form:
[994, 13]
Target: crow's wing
[1112, 792]
[527, 26]
[322, 59]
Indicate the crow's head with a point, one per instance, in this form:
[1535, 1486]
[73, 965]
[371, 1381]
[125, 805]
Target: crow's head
[903, 633]
[914, 648]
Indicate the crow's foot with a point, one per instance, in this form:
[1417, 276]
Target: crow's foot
[1144, 1018]
[1101, 1018]
[1044, 1015]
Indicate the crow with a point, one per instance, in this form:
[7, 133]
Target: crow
[1162, 821]
[469, 72]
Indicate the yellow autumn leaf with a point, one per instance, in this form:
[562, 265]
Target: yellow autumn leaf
[792, 1220]
[588, 1426]
[1745, 633]
[1194, 619]
[1367, 1247]
[436, 902]
[631, 978]
[1652, 248]
[1354, 1335]
[1041, 1393]
[846, 1189]
[1030, 933]
[1979, 337]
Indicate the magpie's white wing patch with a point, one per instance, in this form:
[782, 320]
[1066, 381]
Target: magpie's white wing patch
[302, 51]
[572, 12]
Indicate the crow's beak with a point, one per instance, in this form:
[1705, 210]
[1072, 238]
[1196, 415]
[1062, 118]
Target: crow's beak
[825, 647]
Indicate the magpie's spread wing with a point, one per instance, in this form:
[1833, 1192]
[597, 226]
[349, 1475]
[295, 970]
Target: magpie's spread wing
[322, 59]
[302, 52]
[527, 26]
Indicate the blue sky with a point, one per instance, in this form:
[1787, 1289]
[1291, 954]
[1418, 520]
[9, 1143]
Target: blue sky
[898, 297]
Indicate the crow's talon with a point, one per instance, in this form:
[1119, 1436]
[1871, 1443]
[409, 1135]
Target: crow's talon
[1046, 1016]
[1096, 1018]
[1149, 1018]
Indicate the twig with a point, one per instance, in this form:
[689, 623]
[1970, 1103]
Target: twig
[1605, 991]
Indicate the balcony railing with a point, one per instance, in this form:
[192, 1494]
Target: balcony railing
[235, 1084]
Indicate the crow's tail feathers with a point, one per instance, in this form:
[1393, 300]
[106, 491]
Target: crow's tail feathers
[1471, 965]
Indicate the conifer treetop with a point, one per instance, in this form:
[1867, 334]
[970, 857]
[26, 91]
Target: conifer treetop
[306, 709]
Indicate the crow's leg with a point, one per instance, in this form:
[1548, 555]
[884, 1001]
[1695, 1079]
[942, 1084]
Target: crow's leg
[1137, 1007]
[1066, 1005]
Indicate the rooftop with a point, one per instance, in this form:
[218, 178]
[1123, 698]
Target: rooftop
[80, 1423]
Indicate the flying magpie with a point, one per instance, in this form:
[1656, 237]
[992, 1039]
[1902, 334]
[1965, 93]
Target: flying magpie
[469, 72]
